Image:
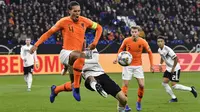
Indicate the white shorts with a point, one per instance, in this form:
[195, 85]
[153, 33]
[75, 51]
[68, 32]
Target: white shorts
[132, 71]
[64, 56]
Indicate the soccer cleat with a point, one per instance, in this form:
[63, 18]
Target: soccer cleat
[127, 108]
[76, 93]
[29, 89]
[53, 94]
[173, 100]
[194, 92]
[100, 90]
[138, 106]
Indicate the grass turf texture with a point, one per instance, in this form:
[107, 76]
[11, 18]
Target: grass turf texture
[15, 98]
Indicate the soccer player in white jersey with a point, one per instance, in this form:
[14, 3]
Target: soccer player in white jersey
[97, 80]
[28, 62]
[173, 69]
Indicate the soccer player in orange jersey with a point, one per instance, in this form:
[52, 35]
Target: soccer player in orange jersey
[73, 30]
[135, 46]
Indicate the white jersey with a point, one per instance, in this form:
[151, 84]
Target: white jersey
[92, 66]
[28, 59]
[168, 55]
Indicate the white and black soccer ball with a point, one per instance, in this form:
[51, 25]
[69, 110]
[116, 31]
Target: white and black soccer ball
[124, 58]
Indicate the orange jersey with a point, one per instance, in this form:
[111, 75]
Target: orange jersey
[73, 33]
[136, 48]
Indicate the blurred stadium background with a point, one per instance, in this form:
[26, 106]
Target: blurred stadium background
[177, 20]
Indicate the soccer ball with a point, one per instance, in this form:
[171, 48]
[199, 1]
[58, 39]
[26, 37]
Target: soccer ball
[124, 58]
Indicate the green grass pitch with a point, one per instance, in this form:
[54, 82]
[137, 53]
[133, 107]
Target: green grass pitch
[15, 98]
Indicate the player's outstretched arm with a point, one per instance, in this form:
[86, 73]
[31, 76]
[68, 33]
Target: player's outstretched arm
[148, 49]
[99, 30]
[95, 26]
[46, 35]
[36, 59]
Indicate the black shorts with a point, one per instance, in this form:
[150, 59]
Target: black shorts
[172, 77]
[109, 86]
[28, 69]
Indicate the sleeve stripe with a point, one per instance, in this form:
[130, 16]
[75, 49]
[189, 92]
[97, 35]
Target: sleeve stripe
[94, 25]
[173, 56]
[95, 52]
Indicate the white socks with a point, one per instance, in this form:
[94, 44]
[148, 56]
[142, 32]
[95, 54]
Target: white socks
[177, 87]
[29, 80]
[25, 78]
[169, 90]
[92, 84]
[121, 109]
[181, 87]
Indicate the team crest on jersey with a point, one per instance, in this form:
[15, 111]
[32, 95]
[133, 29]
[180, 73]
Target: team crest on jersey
[128, 47]
[82, 24]
[139, 46]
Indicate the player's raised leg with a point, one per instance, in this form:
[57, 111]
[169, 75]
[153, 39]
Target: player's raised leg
[122, 101]
[77, 59]
[69, 58]
[184, 88]
[96, 86]
[57, 89]
[175, 78]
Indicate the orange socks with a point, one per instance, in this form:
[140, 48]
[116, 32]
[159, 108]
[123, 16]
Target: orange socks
[77, 69]
[65, 87]
[125, 90]
[140, 94]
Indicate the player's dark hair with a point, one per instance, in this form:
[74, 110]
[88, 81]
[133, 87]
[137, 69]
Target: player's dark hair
[161, 37]
[71, 4]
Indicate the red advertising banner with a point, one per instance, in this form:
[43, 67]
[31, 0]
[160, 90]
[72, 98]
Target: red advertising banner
[50, 64]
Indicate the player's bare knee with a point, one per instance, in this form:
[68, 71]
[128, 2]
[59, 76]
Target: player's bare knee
[173, 85]
[123, 101]
[74, 56]
[82, 55]
[121, 98]
[125, 83]
[141, 85]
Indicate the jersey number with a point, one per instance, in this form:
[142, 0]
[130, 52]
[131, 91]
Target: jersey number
[175, 76]
[71, 29]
